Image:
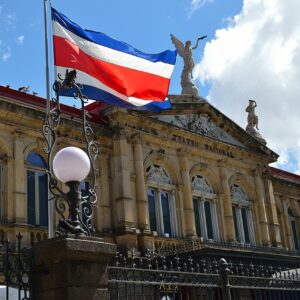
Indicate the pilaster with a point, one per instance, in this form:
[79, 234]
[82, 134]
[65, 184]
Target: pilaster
[263, 221]
[19, 189]
[229, 223]
[190, 227]
[103, 212]
[123, 199]
[141, 197]
[274, 229]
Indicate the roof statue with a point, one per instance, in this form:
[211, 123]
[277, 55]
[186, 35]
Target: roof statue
[186, 52]
[252, 119]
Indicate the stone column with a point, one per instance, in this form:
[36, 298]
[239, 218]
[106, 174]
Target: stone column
[122, 192]
[19, 190]
[141, 196]
[263, 222]
[274, 229]
[189, 218]
[71, 267]
[229, 223]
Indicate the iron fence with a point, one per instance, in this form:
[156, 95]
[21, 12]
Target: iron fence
[15, 267]
[170, 278]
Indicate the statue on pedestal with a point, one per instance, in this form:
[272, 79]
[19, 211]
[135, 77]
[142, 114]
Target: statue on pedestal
[252, 119]
[186, 52]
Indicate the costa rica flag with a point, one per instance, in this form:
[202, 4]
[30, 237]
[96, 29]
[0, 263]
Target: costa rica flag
[110, 70]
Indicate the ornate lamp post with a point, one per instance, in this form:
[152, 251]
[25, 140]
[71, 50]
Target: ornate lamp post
[80, 254]
[71, 165]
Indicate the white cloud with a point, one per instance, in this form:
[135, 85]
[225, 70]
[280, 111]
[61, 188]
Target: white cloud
[20, 39]
[7, 19]
[196, 4]
[7, 23]
[257, 56]
[6, 56]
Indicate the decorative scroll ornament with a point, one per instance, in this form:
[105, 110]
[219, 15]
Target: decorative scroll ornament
[201, 185]
[238, 195]
[158, 175]
[200, 124]
[63, 204]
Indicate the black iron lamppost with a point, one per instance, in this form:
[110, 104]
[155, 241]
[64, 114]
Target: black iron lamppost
[71, 165]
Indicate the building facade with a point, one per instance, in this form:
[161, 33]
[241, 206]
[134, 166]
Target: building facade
[188, 173]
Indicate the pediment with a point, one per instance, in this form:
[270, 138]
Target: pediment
[200, 124]
[197, 115]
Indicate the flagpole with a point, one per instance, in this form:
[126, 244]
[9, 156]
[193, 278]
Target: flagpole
[48, 98]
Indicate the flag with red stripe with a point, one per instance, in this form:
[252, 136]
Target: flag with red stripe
[110, 70]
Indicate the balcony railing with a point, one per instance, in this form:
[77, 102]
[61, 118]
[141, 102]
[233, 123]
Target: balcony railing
[199, 244]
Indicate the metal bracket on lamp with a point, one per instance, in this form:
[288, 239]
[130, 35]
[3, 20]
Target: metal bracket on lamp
[71, 166]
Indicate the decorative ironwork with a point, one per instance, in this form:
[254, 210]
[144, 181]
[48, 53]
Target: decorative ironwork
[15, 270]
[194, 245]
[75, 223]
[156, 276]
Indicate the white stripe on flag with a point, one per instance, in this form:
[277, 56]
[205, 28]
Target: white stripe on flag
[113, 56]
[83, 78]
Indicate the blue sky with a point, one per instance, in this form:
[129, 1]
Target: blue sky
[252, 52]
[145, 25]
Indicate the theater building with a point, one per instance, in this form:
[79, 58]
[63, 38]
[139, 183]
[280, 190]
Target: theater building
[187, 173]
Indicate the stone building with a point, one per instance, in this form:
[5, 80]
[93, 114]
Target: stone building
[186, 173]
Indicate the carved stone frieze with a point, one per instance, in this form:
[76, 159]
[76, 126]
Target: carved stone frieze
[201, 185]
[200, 124]
[238, 195]
[158, 175]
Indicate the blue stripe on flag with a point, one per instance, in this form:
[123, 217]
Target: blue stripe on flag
[94, 94]
[100, 38]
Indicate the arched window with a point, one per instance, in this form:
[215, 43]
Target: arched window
[37, 190]
[205, 211]
[242, 215]
[293, 227]
[161, 202]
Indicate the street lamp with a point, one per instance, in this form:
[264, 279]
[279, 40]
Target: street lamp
[71, 165]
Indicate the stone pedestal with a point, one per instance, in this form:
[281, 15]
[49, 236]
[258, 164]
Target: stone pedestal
[71, 268]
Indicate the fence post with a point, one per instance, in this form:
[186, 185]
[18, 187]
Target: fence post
[224, 271]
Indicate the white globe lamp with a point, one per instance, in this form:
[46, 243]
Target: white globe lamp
[71, 164]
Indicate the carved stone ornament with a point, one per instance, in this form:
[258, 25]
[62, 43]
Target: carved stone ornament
[238, 195]
[201, 185]
[201, 124]
[158, 175]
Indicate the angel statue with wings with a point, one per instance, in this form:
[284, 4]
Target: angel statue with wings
[186, 52]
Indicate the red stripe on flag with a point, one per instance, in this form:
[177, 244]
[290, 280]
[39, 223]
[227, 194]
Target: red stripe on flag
[126, 81]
